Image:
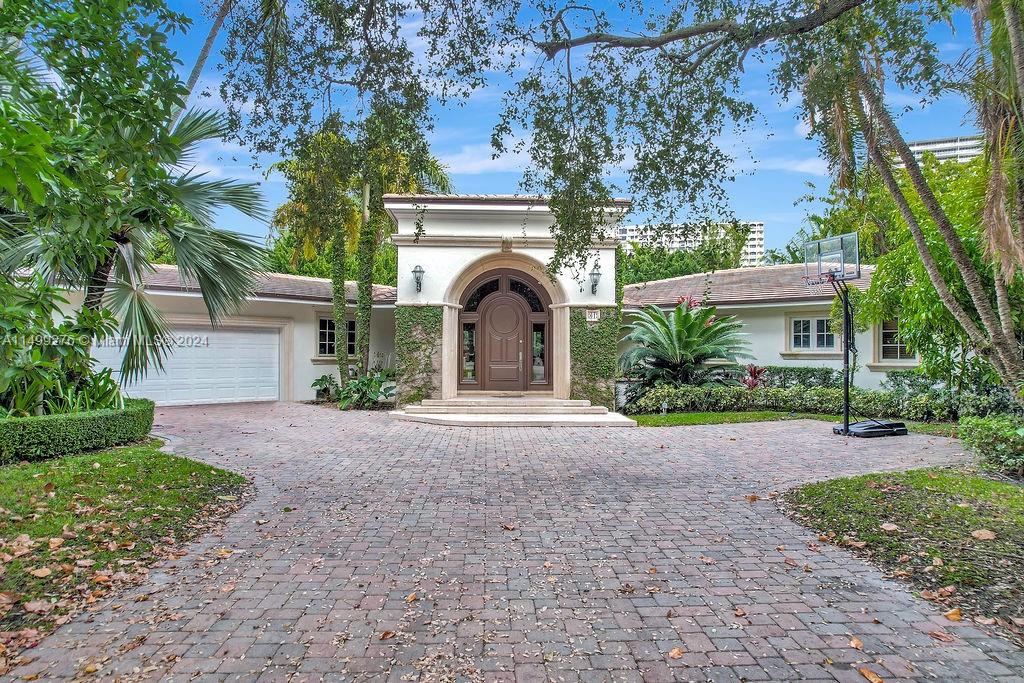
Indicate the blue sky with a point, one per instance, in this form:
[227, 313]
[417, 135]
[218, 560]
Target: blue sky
[775, 162]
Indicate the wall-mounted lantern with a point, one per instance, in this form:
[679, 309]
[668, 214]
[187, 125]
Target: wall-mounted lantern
[417, 276]
[595, 277]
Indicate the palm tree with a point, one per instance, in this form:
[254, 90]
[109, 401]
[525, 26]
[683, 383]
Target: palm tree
[687, 345]
[176, 204]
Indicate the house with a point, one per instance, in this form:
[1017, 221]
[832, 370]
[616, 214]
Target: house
[476, 329]
[273, 349]
[787, 321]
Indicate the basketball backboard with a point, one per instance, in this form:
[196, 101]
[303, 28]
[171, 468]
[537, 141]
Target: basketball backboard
[832, 259]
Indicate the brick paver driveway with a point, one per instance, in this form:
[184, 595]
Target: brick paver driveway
[374, 549]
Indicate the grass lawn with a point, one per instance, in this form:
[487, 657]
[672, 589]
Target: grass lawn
[956, 535]
[74, 528]
[678, 419]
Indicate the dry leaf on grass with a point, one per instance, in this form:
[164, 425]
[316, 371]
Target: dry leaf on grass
[984, 535]
[889, 526]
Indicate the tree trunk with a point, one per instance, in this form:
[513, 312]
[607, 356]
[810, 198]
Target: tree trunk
[204, 54]
[365, 254]
[98, 283]
[1005, 349]
[339, 297]
[1014, 31]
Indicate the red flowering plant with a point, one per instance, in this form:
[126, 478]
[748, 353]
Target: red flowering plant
[754, 376]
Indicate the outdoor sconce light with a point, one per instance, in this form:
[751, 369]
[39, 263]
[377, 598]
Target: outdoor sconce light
[417, 275]
[595, 277]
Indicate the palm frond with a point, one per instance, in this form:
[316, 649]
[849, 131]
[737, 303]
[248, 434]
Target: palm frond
[201, 197]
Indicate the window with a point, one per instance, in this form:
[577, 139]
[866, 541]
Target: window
[325, 343]
[469, 352]
[325, 337]
[824, 337]
[473, 302]
[892, 347]
[812, 334]
[801, 334]
[524, 290]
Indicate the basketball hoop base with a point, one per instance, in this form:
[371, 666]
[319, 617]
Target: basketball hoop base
[869, 429]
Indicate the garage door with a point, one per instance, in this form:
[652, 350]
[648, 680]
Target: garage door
[211, 366]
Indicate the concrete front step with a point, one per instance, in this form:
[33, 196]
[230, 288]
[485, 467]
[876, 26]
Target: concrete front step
[501, 401]
[518, 420]
[484, 409]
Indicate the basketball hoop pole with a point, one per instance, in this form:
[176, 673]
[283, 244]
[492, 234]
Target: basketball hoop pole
[843, 292]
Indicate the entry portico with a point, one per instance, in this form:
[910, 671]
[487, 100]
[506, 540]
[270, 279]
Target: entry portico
[477, 312]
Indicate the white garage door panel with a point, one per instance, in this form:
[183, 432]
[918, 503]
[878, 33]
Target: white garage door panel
[237, 365]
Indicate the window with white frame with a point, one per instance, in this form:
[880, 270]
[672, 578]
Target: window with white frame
[812, 334]
[893, 347]
[326, 336]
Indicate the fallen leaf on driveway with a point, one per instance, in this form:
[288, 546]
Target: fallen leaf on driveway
[942, 635]
[387, 635]
[870, 675]
[984, 534]
[856, 643]
[740, 612]
[753, 497]
[676, 653]
[411, 597]
[508, 527]
[953, 614]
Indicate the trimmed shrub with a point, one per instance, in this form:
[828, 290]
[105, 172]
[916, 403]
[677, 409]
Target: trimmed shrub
[795, 399]
[998, 440]
[788, 376]
[53, 436]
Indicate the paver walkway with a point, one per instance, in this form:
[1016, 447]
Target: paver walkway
[534, 554]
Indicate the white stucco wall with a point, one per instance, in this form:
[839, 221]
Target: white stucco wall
[767, 329]
[455, 236]
[305, 366]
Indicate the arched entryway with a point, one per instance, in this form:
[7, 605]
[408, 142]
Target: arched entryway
[504, 334]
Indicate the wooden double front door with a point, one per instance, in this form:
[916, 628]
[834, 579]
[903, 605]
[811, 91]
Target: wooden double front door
[504, 323]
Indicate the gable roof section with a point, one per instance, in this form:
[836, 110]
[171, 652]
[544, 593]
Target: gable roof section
[737, 286]
[272, 286]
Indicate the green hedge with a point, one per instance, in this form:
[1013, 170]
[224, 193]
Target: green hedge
[52, 436]
[998, 439]
[787, 376]
[863, 402]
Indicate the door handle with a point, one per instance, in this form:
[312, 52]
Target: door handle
[520, 355]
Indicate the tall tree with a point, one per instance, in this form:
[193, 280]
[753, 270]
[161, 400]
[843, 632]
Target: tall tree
[124, 175]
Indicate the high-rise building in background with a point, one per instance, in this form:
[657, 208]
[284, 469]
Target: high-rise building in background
[679, 238]
[961, 148]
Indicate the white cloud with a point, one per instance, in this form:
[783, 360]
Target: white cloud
[479, 158]
[807, 165]
[802, 129]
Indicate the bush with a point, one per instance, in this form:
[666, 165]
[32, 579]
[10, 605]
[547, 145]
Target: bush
[365, 393]
[788, 376]
[794, 399]
[998, 440]
[52, 436]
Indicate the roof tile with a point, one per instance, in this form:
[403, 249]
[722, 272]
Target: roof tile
[763, 284]
[272, 286]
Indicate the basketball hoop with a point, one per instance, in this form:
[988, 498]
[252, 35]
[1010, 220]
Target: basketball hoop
[818, 280]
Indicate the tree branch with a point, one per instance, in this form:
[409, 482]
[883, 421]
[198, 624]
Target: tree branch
[747, 34]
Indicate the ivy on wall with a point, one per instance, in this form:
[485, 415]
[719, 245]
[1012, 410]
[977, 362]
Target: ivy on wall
[418, 332]
[593, 355]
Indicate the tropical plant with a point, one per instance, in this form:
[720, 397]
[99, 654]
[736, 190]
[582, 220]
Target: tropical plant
[45, 366]
[365, 392]
[754, 376]
[327, 387]
[687, 345]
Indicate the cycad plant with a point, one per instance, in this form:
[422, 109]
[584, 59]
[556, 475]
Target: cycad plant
[687, 345]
